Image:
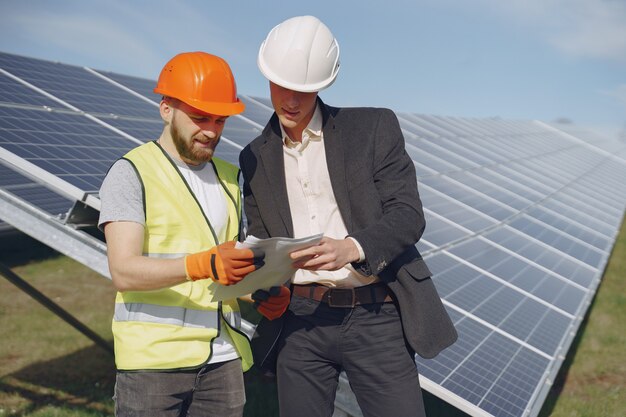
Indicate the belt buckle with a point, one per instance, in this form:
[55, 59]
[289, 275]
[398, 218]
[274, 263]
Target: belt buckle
[338, 297]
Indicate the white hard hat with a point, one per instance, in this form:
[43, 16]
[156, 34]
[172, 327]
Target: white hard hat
[300, 54]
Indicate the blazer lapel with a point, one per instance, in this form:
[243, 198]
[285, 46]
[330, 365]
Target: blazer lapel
[273, 164]
[335, 159]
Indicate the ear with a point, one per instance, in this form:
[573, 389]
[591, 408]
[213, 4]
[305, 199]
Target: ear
[166, 110]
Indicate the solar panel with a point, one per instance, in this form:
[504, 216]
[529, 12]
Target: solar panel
[36, 194]
[76, 86]
[521, 215]
[65, 144]
[16, 93]
[520, 223]
[141, 86]
[258, 109]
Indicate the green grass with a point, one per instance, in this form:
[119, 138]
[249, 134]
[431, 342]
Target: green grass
[592, 380]
[49, 369]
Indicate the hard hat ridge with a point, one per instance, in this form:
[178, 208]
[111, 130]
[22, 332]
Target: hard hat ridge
[301, 54]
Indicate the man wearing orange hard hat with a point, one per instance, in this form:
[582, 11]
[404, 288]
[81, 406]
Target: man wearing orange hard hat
[171, 213]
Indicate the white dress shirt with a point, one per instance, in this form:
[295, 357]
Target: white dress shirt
[312, 203]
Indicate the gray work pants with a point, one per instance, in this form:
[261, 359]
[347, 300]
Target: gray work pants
[214, 390]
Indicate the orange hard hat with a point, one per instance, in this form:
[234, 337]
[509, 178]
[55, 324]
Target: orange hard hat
[201, 80]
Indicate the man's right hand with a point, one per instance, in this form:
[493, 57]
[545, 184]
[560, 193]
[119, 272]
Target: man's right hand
[223, 263]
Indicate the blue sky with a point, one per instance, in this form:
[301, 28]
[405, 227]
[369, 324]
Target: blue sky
[516, 59]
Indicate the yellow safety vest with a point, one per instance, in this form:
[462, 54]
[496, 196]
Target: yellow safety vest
[173, 328]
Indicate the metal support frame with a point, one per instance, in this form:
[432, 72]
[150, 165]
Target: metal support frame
[76, 244]
[81, 215]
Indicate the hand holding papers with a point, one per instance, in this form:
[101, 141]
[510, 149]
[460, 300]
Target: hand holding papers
[276, 271]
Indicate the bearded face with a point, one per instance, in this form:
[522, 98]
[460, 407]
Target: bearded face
[193, 141]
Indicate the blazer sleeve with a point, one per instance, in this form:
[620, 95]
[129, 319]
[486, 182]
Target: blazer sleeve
[399, 217]
[254, 224]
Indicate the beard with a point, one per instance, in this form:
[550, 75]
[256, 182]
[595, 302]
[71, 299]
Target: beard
[187, 151]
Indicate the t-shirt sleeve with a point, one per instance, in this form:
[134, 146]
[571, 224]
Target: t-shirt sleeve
[121, 196]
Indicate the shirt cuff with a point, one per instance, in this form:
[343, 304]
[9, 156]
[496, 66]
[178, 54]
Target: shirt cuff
[359, 248]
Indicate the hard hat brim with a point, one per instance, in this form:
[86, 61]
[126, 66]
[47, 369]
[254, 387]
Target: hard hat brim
[302, 88]
[214, 108]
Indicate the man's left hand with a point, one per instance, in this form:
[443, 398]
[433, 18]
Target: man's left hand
[273, 303]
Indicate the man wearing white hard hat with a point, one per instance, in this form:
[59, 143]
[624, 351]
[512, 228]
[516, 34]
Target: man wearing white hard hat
[362, 300]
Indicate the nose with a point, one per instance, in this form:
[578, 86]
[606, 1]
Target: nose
[209, 128]
[292, 99]
[209, 132]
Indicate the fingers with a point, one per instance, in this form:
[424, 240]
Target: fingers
[260, 295]
[309, 257]
[273, 295]
[240, 262]
[329, 255]
[313, 263]
[325, 262]
[242, 255]
[255, 263]
[229, 280]
[271, 312]
[307, 253]
[257, 253]
[273, 302]
[223, 263]
[240, 273]
[274, 291]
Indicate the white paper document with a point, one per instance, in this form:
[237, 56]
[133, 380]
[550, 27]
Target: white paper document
[276, 271]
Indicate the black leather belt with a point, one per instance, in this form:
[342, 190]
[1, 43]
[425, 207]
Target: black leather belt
[344, 297]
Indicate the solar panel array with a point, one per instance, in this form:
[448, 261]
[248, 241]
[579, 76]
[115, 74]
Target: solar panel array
[521, 215]
[521, 219]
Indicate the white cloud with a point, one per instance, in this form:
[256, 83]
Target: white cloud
[583, 28]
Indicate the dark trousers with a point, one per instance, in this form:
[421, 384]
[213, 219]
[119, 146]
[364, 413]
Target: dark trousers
[367, 342]
[214, 390]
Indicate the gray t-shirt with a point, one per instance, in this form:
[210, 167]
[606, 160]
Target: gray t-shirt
[121, 196]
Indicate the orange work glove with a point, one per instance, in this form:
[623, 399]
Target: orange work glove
[223, 263]
[273, 303]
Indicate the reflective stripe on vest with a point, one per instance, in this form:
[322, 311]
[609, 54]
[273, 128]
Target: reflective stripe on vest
[176, 316]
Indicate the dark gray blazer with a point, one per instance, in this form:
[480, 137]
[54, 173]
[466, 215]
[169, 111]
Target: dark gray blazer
[375, 186]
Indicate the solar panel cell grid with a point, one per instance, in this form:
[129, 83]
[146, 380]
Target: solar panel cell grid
[453, 210]
[67, 145]
[258, 109]
[544, 257]
[36, 194]
[441, 232]
[78, 87]
[141, 86]
[16, 93]
[144, 130]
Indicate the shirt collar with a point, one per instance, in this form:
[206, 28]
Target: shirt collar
[313, 131]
